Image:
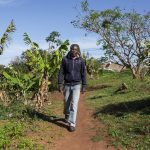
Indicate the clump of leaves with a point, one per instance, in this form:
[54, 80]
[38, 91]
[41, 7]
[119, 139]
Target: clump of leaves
[25, 143]
[9, 132]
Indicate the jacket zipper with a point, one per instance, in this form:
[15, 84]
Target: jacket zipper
[73, 69]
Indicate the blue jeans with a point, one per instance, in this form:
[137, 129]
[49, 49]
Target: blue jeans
[71, 98]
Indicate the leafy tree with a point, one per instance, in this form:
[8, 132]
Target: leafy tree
[19, 64]
[146, 64]
[53, 40]
[6, 36]
[122, 34]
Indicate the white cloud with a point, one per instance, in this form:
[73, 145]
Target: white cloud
[4, 2]
[88, 44]
[11, 52]
[85, 42]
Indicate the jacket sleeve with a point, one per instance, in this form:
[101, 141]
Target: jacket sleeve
[61, 73]
[83, 73]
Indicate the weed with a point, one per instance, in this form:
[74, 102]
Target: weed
[25, 143]
[97, 138]
[8, 132]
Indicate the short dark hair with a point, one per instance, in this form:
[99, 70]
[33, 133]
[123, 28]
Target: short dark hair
[78, 48]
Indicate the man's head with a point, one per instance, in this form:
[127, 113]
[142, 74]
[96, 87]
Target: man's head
[75, 50]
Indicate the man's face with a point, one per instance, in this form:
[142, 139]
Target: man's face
[74, 51]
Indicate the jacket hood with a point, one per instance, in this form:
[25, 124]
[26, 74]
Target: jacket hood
[69, 55]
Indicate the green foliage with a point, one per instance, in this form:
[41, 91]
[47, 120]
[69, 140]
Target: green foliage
[9, 132]
[38, 63]
[117, 30]
[28, 41]
[93, 66]
[84, 5]
[147, 53]
[15, 110]
[19, 64]
[26, 144]
[53, 40]
[57, 57]
[6, 36]
[35, 61]
[97, 138]
[22, 82]
[126, 115]
[2, 79]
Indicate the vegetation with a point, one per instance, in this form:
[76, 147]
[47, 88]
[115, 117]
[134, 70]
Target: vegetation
[121, 34]
[8, 132]
[6, 36]
[119, 102]
[41, 68]
[53, 40]
[93, 66]
[24, 89]
[126, 113]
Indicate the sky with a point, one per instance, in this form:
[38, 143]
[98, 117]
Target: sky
[40, 17]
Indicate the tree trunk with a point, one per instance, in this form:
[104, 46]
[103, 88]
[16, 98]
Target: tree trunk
[143, 72]
[3, 98]
[42, 94]
[136, 73]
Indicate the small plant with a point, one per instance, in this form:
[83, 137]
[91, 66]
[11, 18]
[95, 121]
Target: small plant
[10, 132]
[97, 138]
[25, 144]
[93, 67]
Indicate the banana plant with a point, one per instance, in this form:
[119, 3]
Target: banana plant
[43, 67]
[57, 58]
[23, 82]
[6, 36]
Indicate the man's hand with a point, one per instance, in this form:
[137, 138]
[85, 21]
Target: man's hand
[83, 90]
[60, 88]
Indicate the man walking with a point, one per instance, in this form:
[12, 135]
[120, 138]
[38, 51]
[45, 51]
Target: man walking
[73, 73]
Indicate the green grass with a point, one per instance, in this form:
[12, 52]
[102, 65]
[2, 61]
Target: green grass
[97, 138]
[8, 132]
[126, 114]
[19, 122]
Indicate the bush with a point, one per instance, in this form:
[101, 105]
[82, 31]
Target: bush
[16, 110]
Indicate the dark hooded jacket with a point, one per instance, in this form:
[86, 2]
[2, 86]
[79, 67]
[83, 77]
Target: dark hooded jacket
[72, 71]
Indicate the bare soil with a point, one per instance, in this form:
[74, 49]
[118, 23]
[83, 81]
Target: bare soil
[86, 128]
[52, 132]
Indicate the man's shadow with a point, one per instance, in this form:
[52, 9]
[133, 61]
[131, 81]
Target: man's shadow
[61, 122]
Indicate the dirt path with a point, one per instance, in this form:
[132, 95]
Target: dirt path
[81, 138]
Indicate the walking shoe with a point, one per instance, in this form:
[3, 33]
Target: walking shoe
[66, 118]
[72, 129]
